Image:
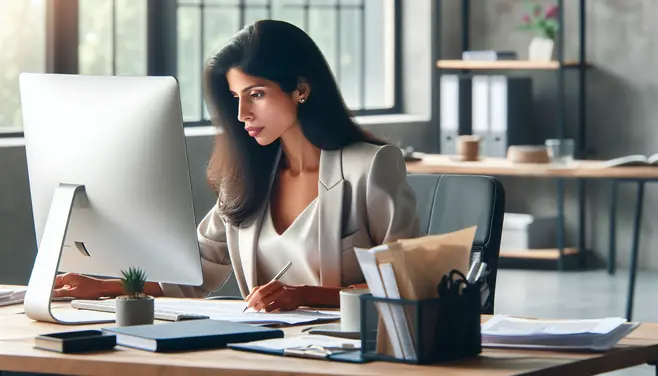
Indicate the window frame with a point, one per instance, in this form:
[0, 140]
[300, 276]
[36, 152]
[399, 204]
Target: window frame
[62, 38]
[242, 7]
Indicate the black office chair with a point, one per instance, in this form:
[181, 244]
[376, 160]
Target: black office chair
[448, 203]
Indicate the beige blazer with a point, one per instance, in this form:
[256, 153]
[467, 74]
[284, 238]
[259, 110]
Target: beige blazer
[363, 200]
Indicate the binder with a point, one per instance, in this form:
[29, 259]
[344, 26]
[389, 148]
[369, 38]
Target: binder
[455, 110]
[502, 113]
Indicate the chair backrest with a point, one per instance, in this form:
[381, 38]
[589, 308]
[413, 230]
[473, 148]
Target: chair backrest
[447, 203]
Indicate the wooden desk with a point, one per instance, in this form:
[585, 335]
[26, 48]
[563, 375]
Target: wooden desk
[582, 169]
[17, 354]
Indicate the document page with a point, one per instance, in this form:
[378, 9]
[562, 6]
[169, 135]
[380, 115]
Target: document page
[501, 325]
[227, 310]
[232, 311]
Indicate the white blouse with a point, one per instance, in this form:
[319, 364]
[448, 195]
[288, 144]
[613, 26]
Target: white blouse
[298, 243]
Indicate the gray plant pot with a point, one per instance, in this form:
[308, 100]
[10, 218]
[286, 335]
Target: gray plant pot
[134, 311]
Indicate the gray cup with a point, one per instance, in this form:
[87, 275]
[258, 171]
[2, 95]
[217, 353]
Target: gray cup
[134, 311]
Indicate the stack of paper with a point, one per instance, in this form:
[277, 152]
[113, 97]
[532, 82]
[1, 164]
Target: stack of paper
[225, 310]
[596, 334]
[9, 297]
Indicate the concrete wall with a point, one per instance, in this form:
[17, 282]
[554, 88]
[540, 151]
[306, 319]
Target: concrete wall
[622, 92]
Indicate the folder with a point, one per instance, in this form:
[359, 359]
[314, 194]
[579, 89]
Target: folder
[307, 346]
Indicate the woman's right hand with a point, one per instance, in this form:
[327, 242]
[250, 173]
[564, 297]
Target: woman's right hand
[83, 287]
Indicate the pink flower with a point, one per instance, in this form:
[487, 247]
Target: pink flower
[526, 19]
[552, 12]
[537, 10]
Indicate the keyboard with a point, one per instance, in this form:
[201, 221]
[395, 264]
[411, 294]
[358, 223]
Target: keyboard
[171, 309]
[160, 313]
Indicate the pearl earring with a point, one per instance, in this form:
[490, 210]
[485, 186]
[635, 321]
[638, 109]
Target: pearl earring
[302, 100]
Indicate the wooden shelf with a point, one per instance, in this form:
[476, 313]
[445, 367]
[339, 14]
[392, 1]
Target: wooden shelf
[506, 64]
[540, 259]
[579, 169]
[538, 254]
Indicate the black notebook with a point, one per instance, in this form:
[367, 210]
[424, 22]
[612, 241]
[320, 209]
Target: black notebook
[190, 335]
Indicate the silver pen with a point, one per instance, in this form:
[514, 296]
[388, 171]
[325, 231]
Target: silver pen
[276, 277]
[472, 271]
[480, 272]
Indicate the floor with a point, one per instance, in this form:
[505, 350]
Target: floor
[591, 294]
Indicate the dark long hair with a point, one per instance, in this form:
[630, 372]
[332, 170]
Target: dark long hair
[240, 169]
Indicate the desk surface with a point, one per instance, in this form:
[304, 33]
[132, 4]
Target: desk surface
[17, 354]
[447, 164]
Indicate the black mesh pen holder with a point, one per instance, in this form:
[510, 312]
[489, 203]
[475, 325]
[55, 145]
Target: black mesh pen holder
[438, 330]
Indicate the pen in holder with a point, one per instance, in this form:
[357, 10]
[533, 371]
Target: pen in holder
[427, 331]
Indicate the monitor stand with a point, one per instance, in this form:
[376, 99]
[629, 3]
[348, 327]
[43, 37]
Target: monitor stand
[42, 280]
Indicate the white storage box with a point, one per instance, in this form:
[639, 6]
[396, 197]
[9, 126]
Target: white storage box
[522, 232]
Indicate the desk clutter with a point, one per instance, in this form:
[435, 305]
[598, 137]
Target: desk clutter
[168, 337]
[420, 300]
[587, 335]
[421, 309]
[169, 309]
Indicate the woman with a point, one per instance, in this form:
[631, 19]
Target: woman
[296, 179]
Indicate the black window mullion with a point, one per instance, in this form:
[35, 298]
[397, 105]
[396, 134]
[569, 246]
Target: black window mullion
[161, 21]
[362, 77]
[243, 13]
[307, 10]
[202, 34]
[337, 8]
[397, 56]
[114, 37]
[62, 36]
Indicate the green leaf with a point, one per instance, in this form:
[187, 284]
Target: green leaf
[133, 281]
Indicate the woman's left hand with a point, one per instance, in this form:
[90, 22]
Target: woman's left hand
[275, 296]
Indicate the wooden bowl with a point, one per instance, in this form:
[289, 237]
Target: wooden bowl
[527, 154]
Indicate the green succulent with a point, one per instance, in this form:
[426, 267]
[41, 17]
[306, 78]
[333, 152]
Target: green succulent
[133, 282]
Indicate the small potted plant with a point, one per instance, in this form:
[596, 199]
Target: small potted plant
[544, 22]
[135, 307]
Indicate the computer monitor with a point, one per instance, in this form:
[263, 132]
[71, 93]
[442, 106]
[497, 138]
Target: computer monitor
[109, 182]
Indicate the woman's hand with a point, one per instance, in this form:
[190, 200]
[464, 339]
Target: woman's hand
[82, 287]
[276, 296]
